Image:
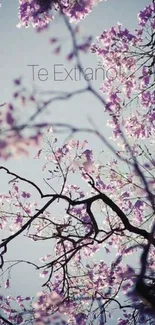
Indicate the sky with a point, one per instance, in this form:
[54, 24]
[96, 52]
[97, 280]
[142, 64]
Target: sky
[20, 48]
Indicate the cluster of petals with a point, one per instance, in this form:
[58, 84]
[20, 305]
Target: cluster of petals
[39, 13]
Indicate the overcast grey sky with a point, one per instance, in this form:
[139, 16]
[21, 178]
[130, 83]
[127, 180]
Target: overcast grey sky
[22, 47]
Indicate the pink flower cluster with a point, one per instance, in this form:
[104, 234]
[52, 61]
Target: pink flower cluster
[39, 13]
[130, 60]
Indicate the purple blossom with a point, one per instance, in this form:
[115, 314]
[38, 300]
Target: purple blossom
[88, 154]
[9, 118]
[139, 204]
[81, 318]
[17, 82]
[25, 195]
[3, 144]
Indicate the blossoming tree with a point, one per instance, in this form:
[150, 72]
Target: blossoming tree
[112, 206]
